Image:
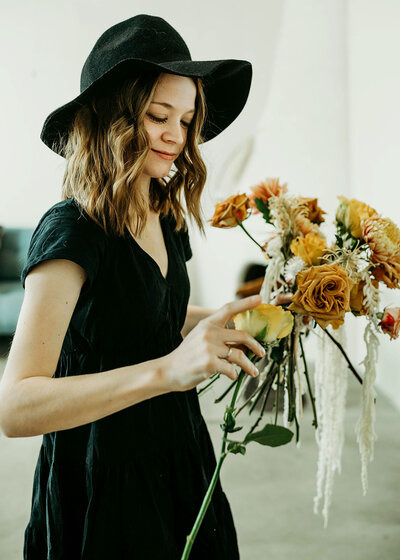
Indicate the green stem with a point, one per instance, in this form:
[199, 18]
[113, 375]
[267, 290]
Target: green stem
[263, 406]
[278, 382]
[207, 499]
[350, 365]
[219, 399]
[303, 356]
[290, 380]
[216, 376]
[247, 233]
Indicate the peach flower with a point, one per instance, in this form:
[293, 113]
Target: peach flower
[383, 237]
[264, 190]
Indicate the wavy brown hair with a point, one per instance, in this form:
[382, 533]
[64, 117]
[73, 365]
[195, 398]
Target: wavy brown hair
[106, 150]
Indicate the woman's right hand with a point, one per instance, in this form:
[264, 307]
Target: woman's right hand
[203, 351]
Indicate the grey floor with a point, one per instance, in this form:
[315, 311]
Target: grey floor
[270, 490]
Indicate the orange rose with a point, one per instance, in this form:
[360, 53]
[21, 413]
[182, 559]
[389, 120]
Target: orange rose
[324, 293]
[264, 191]
[383, 237]
[230, 210]
[314, 211]
[390, 323]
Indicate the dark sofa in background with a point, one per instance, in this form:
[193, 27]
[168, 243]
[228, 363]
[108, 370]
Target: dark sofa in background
[13, 252]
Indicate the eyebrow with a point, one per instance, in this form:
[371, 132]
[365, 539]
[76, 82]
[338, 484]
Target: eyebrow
[169, 106]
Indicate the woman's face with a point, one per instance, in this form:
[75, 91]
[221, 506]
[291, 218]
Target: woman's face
[167, 120]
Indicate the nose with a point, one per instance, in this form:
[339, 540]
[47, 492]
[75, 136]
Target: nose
[175, 133]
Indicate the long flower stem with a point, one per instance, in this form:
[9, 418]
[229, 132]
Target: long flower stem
[203, 389]
[278, 382]
[207, 499]
[303, 356]
[350, 365]
[254, 426]
[247, 233]
[219, 399]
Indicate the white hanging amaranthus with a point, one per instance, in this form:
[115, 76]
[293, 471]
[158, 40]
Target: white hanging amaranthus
[275, 263]
[331, 381]
[365, 427]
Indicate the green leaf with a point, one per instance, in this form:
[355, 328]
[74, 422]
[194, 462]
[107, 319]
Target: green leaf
[261, 335]
[271, 435]
[236, 447]
[278, 351]
[264, 209]
[236, 429]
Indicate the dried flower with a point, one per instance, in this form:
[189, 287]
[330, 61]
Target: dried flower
[227, 212]
[357, 297]
[314, 211]
[383, 237]
[324, 293]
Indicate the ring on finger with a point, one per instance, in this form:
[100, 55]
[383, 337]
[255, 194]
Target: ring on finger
[228, 354]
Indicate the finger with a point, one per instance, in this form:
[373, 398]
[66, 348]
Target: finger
[226, 368]
[283, 298]
[239, 357]
[227, 311]
[244, 338]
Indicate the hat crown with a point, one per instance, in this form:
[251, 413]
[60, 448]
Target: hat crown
[145, 37]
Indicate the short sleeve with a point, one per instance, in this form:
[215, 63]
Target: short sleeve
[64, 233]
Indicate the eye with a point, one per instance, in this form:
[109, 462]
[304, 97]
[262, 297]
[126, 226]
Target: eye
[156, 119]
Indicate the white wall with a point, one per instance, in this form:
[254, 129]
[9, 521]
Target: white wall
[322, 113]
[374, 124]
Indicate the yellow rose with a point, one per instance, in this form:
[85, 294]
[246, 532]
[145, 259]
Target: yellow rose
[228, 211]
[324, 293]
[350, 214]
[277, 322]
[310, 248]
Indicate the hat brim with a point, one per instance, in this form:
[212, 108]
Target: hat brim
[226, 88]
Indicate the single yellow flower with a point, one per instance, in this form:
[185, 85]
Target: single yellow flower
[351, 213]
[310, 248]
[277, 322]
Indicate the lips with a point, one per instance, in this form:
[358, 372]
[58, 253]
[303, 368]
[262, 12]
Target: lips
[165, 156]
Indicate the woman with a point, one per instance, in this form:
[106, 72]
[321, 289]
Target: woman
[98, 363]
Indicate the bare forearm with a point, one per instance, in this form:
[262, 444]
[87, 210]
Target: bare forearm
[194, 314]
[38, 405]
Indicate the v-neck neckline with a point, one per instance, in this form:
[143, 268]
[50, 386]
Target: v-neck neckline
[163, 220]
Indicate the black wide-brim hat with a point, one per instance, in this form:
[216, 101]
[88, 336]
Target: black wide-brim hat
[145, 43]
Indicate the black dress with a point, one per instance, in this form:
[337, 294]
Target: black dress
[130, 485]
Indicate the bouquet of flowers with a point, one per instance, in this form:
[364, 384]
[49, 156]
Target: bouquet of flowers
[325, 282]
